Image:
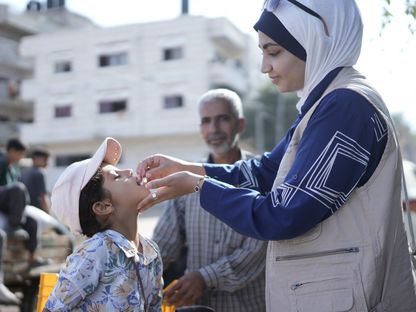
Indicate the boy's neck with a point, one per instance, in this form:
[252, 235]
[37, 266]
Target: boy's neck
[129, 229]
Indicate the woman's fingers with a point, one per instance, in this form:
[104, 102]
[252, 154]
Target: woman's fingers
[157, 183]
[155, 196]
[175, 184]
[171, 186]
[146, 203]
[157, 166]
[146, 164]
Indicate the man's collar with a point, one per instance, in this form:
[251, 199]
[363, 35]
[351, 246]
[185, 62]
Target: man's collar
[244, 155]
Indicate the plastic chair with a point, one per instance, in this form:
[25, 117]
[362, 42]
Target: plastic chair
[46, 285]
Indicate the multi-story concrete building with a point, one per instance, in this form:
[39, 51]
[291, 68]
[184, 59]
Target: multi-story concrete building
[138, 83]
[13, 110]
[39, 17]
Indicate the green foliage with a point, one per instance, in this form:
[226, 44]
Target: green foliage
[269, 117]
[410, 10]
[407, 139]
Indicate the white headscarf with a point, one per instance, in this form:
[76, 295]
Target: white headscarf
[324, 53]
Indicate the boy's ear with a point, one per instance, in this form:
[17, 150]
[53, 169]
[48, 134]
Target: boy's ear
[102, 208]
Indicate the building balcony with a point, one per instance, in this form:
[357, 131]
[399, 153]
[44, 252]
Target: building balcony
[16, 109]
[226, 35]
[228, 74]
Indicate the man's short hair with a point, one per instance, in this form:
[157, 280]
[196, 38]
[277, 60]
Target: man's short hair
[229, 97]
[15, 144]
[38, 152]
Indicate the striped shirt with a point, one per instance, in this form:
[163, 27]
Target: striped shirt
[232, 265]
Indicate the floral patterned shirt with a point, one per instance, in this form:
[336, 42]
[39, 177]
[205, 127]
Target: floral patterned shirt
[103, 275]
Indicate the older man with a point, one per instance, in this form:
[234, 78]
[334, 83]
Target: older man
[224, 270]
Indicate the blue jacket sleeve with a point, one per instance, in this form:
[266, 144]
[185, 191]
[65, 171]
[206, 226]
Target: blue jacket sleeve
[339, 150]
[254, 174]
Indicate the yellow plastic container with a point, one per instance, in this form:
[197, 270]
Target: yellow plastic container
[165, 307]
[46, 284]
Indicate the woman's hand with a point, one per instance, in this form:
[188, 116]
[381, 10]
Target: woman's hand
[171, 186]
[158, 166]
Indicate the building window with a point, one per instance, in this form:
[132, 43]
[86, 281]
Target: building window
[66, 160]
[53, 4]
[115, 59]
[238, 63]
[172, 54]
[63, 67]
[113, 106]
[219, 58]
[173, 101]
[63, 111]
[4, 118]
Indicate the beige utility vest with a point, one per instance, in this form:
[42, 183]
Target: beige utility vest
[358, 258]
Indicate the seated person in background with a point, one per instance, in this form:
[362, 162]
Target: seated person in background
[13, 194]
[14, 197]
[35, 181]
[116, 269]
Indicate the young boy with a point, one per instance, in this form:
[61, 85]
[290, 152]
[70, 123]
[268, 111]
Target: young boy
[34, 179]
[116, 269]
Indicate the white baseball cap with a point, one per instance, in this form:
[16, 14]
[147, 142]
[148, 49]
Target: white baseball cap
[67, 190]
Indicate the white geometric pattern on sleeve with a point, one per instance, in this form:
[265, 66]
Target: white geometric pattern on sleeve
[320, 180]
[379, 129]
[285, 192]
[251, 180]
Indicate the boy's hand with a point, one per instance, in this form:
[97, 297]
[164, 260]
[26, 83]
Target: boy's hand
[174, 185]
[186, 291]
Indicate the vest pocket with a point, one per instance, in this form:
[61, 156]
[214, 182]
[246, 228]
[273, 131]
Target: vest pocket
[330, 301]
[340, 291]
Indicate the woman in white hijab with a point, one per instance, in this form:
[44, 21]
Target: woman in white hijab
[327, 197]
